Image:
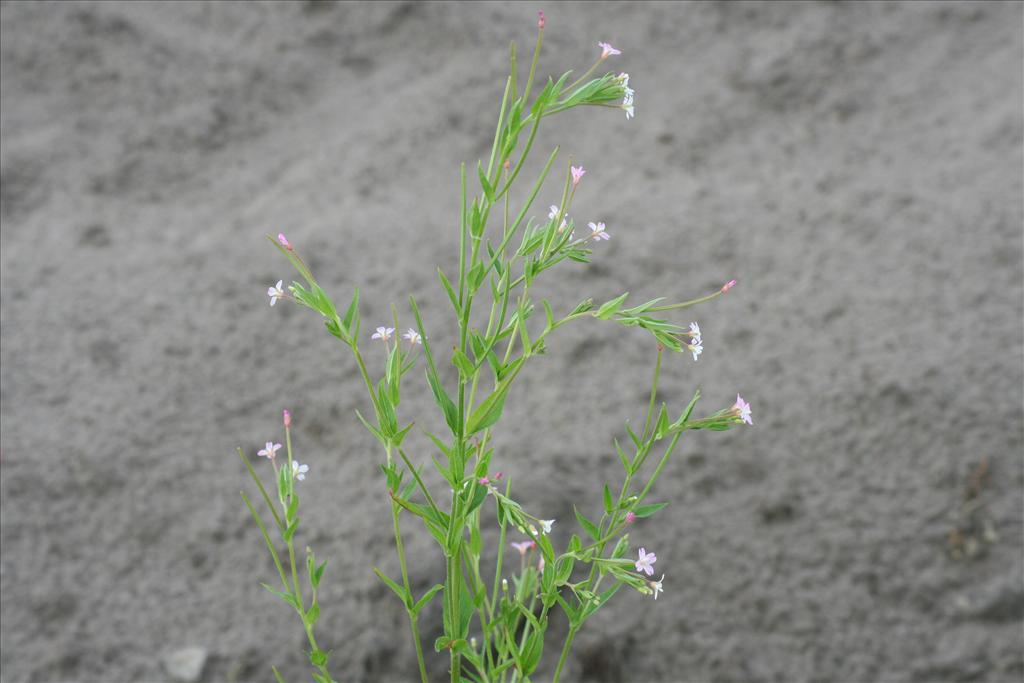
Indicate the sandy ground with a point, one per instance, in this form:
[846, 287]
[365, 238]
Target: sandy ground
[857, 166]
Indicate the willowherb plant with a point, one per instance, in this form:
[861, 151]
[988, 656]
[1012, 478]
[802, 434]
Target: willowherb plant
[496, 631]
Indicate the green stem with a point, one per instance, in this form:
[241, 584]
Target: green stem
[654, 392]
[408, 591]
[685, 304]
[565, 654]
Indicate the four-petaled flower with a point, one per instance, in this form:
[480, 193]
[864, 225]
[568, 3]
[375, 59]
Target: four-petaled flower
[299, 471]
[656, 586]
[696, 349]
[607, 50]
[413, 336]
[545, 525]
[553, 214]
[284, 241]
[524, 546]
[383, 333]
[577, 174]
[598, 232]
[742, 410]
[645, 562]
[270, 451]
[275, 292]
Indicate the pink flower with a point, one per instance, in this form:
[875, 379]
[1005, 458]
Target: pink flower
[413, 336]
[728, 285]
[645, 562]
[524, 546]
[630, 517]
[598, 233]
[577, 174]
[284, 241]
[287, 419]
[540, 20]
[607, 50]
[270, 451]
[742, 410]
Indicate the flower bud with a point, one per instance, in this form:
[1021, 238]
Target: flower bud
[287, 419]
[728, 285]
[284, 241]
[540, 20]
[630, 517]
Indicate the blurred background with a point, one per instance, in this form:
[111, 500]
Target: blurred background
[857, 166]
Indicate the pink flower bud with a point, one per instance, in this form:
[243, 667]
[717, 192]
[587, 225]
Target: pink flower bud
[728, 285]
[540, 20]
[483, 481]
[630, 517]
[284, 241]
[287, 419]
[498, 476]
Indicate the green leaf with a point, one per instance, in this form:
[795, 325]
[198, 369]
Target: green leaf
[373, 430]
[399, 591]
[622, 456]
[587, 525]
[451, 293]
[607, 500]
[313, 614]
[287, 597]
[478, 498]
[290, 531]
[351, 320]
[648, 510]
[530, 656]
[318, 574]
[463, 363]
[489, 411]
[451, 413]
[318, 658]
[583, 307]
[488, 190]
[427, 597]
[611, 308]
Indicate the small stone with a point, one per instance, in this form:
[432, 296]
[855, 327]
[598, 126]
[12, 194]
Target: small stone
[185, 665]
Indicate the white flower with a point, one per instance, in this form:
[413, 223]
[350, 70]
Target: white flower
[695, 349]
[624, 79]
[656, 586]
[553, 214]
[627, 97]
[383, 333]
[545, 525]
[629, 111]
[275, 292]
[413, 336]
[598, 232]
[695, 333]
[299, 471]
[270, 451]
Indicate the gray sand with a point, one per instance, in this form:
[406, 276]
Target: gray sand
[857, 166]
